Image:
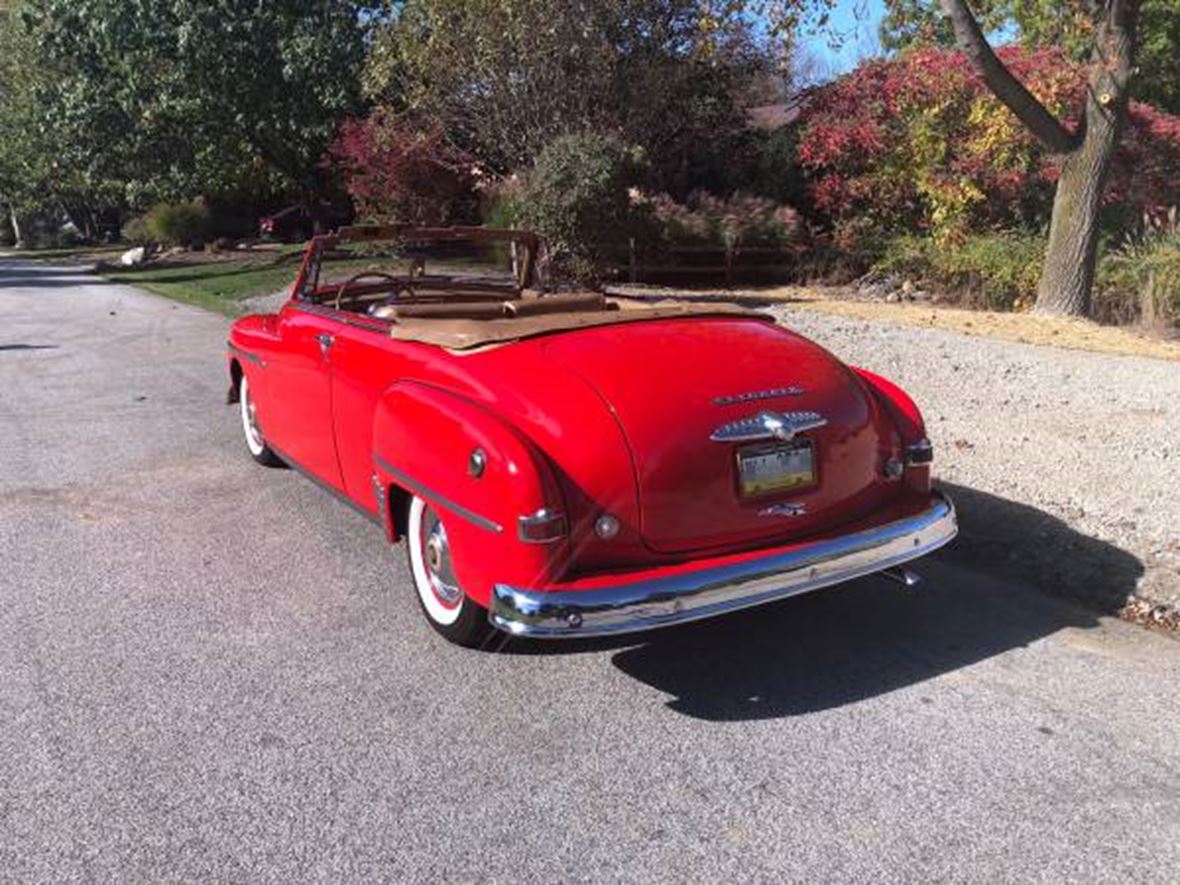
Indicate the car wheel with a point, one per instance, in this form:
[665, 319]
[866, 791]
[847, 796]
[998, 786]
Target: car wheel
[448, 609]
[255, 441]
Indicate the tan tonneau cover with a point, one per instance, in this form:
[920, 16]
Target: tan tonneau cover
[469, 333]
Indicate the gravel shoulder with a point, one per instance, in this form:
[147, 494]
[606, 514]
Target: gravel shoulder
[1065, 464]
[932, 312]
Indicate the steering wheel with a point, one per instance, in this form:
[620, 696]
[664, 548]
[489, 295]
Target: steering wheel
[356, 278]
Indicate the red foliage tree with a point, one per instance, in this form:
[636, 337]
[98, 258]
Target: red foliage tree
[396, 169]
[919, 143]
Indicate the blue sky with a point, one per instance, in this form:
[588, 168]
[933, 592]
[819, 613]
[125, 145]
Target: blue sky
[854, 23]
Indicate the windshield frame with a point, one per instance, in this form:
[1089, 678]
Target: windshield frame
[525, 246]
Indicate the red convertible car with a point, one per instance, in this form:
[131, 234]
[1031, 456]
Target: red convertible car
[563, 465]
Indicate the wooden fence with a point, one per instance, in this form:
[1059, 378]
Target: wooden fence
[706, 265]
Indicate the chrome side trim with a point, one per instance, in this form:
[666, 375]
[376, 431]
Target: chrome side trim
[662, 601]
[245, 354]
[768, 425]
[446, 503]
[330, 489]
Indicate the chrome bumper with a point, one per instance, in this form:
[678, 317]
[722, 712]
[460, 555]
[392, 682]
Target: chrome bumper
[661, 601]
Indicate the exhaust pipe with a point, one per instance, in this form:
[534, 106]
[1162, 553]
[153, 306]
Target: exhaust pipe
[903, 576]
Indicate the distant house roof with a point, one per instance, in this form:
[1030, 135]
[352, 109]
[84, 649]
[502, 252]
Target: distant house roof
[769, 117]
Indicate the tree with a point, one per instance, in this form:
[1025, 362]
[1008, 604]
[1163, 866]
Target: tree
[1052, 23]
[397, 170]
[1086, 149]
[507, 77]
[917, 143]
[14, 104]
[1158, 81]
[27, 154]
[166, 98]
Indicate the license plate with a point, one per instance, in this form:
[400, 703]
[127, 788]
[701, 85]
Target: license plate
[776, 469]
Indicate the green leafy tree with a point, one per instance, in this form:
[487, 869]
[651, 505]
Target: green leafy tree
[166, 98]
[576, 196]
[27, 183]
[1158, 80]
[506, 77]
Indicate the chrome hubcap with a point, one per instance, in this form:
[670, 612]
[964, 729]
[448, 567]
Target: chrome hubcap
[437, 557]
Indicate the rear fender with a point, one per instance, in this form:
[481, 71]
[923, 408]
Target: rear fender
[906, 418]
[424, 439]
[897, 403]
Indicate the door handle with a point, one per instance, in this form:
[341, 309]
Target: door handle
[325, 341]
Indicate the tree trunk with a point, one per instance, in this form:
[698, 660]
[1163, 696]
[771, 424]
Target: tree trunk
[1068, 274]
[1072, 254]
[19, 241]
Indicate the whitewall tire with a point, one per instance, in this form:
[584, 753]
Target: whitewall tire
[446, 606]
[255, 441]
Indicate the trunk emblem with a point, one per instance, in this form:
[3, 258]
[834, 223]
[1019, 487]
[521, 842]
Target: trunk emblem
[788, 509]
[754, 395]
[768, 425]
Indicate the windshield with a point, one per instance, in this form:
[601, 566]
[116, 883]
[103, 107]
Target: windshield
[420, 259]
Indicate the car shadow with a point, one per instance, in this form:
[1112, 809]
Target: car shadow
[870, 636]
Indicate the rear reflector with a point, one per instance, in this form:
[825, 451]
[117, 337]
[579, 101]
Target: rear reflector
[920, 452]
[541, 527]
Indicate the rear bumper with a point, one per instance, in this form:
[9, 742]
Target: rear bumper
[659, 601]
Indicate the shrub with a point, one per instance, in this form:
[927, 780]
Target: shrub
[135, 231]
[400, 170]
[918, 144]
[177, 224]
[997, 271]
[708, 220]
[500, 207]
[577, 196]
[1140, 280]
[500, 202]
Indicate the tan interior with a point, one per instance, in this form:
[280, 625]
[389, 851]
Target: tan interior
[464, 312]
[587, 302]
[459, 320]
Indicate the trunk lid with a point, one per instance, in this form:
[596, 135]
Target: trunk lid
[672, 384]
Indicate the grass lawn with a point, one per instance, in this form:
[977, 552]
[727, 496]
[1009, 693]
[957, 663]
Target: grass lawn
[220, 286]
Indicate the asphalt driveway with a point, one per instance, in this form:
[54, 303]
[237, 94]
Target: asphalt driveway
[214, 671]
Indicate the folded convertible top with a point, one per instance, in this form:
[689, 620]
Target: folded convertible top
[447, 326]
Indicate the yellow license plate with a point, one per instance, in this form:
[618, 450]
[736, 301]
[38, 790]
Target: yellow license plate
[776, 469]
